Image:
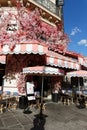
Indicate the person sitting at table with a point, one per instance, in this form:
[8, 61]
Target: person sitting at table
[57, 87]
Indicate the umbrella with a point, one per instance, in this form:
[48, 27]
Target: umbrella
[78, 73]
[43, 71]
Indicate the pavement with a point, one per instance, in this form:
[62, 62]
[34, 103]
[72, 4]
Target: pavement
[56, 117]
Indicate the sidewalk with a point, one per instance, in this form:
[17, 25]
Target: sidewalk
[59, 117]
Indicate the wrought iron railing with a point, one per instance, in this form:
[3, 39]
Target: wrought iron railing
[50, 6]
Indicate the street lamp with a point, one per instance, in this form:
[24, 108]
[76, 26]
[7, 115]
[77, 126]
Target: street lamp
[59, 2]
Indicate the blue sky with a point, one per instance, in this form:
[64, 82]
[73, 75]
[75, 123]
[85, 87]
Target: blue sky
[75, 24]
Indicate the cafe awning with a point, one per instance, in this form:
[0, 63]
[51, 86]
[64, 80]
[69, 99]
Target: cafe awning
[43, 70]
[34, 47]
[55, 59]
[79, 73]
[25, 48]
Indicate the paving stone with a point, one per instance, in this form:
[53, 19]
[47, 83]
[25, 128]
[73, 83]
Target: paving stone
[59, 117]
[1, 124]
[10, 121]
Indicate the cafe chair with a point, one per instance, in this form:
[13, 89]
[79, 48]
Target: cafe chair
[2, 108]
[85, 104]
[13, 101]
[12, 105]
[0, 97]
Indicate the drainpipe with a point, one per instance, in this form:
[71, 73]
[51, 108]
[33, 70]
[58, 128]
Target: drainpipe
[59, 4]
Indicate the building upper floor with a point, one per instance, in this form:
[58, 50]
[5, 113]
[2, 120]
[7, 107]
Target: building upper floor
[51, 9]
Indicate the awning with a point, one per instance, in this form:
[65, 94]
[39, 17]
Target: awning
[62, 63]
[79, 73]
[43, 70]
[55, 59]
[34, 47]
[2, 59]
[23, 48]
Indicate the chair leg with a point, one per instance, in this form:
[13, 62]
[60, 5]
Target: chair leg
[9, 106]
[64, 102]
[86, 104]
[71, 100]
[68, 101]
[1, 108]
[14, 106]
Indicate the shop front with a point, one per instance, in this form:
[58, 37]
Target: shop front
[45, 80]
[50, 64]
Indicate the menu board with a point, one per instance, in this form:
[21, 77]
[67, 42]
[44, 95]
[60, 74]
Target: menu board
[30, 90]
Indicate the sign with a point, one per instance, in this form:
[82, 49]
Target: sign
[30, 90]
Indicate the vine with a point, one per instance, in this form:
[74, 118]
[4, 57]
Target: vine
[25, 25]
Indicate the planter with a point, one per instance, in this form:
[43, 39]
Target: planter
[55, 97]
[23, 102]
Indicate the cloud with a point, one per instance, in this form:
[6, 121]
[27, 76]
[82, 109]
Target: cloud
[74, 31]
[83, 42]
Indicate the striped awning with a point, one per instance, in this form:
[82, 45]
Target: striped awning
[55, 59]
[43, 70]
[2, 59]
[34, 47]
[27, 48]
[79, 73]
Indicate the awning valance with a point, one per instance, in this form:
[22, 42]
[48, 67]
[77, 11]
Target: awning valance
[55, 59]
[34, 47]
[27, 48]
[79, 73]
[43, 70]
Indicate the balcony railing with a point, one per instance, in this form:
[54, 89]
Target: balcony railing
[50, 6]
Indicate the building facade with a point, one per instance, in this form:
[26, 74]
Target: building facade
[32, 35]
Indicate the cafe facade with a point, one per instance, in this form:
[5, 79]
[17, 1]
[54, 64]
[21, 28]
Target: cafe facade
[28, 39]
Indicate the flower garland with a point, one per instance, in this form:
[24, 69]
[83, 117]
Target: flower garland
[21, 83]
[22, 25]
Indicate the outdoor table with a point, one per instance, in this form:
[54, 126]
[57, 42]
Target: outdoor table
[3, 102]
[2, 105]
[84, 94]
[67, 96]
[78, 94]
[7, 101]
[82, 98]
[38, 101]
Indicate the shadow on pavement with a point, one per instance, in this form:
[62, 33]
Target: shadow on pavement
[38, 124]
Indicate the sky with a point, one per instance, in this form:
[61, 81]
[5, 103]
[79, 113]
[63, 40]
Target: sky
[75, 25]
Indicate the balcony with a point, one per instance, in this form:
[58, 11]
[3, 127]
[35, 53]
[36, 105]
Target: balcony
[49, 10]
[48, 6]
